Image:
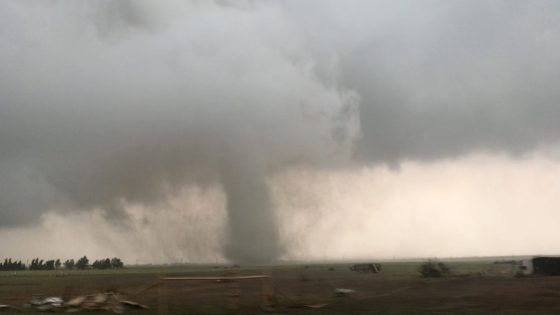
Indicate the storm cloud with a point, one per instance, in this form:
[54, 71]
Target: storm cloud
[122, 105]
[441, 79]
[108, 104]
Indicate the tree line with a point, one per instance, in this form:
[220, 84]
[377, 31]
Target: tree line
[81, 263]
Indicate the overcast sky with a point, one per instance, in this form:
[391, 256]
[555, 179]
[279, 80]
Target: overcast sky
[260, 131]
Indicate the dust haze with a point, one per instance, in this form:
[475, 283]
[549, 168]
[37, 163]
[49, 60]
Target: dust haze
[171, 131]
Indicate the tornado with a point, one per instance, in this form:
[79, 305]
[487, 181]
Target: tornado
[252, 231]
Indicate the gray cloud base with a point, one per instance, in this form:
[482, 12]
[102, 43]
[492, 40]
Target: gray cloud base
[109, 103]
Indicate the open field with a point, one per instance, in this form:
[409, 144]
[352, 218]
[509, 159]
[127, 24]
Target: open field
[478, 287]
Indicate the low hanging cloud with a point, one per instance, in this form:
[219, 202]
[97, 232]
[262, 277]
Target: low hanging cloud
[119, 105]
[110, 105]
[443, 79]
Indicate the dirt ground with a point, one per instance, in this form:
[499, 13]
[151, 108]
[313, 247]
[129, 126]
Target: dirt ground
[474, 288]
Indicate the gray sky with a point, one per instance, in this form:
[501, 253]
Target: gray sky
[251, 131]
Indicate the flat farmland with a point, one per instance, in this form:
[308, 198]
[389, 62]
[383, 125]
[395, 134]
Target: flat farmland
[476, 287]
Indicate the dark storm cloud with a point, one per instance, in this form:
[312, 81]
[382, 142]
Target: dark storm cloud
[109, 103]
[106, 104]
[441, 79]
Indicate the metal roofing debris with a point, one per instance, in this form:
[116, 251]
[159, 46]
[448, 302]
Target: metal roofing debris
[107, 301]
[46, 304]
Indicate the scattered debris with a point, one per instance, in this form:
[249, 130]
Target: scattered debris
[107, 301]
[369, 267]
[46, 304]
[5, 307]
[75, 302]
[343, 292]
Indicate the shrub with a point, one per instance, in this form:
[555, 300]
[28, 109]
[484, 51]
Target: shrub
[434, 269]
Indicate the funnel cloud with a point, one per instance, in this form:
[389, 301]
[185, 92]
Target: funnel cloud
[108, 105]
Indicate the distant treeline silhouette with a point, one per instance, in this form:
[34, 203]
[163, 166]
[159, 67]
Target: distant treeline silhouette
[82, 263]
[12, 265]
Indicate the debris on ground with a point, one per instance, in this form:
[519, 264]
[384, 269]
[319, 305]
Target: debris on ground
[100, 301]
[343, 292]
[107, 301]
[75, 302]
[46, 304]
[5, 307]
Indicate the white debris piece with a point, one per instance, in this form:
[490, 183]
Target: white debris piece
[46, 304]
[343, 292]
